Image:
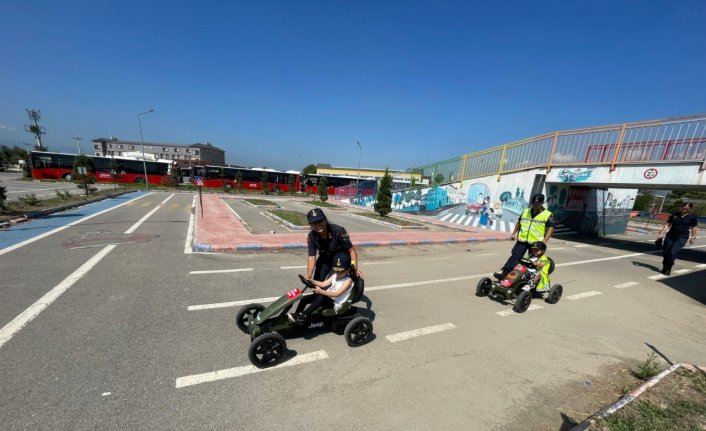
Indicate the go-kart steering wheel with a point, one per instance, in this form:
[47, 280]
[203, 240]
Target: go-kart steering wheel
[306, 282]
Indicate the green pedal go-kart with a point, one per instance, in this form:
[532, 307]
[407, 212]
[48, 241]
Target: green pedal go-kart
[518, 285]
[265, 324]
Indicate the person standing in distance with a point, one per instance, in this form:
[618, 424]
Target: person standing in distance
[536, 224]
[327, 239]
[680, 228]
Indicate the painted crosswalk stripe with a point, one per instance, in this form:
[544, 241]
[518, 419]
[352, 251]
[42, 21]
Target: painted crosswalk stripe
[230, 373]
[583, 295]
[401, 336]
[681, 271]
[453, 219]
[468, 220]
[628, 284]
[510, 312]
[220, 271]
[657, 277]
[701, 265]
[445, 217]
[582, 245]
[476, 221]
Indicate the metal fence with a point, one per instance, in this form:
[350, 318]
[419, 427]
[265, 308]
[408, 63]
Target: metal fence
[660, 141]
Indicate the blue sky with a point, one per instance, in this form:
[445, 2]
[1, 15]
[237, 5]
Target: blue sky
[286, 83]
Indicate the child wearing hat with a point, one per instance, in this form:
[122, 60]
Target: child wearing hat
[335, 290]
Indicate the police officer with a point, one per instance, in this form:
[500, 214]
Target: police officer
[327, 239]
[535, 224]
[681, 227]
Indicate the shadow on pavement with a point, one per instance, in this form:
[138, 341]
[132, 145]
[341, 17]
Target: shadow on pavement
[691, 284]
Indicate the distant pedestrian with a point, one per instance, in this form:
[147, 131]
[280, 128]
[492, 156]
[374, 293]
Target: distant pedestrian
[681, 227]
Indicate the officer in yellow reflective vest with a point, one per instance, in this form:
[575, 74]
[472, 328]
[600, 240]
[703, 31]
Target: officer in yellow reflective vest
[535, 224]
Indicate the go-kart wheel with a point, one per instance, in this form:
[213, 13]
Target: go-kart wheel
[358, 331]
[267, 350]
[241, 319]
[484, 286]
[522, 302]
[555, 294]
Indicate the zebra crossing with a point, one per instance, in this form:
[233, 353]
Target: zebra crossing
[499, 225]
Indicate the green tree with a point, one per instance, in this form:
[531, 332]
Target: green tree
[291, 180]
[3, 198]
[83, 161]
[265, 182]
[644, 201]
[239, 180]
[383, 203]
[310, 169]
[323, 189]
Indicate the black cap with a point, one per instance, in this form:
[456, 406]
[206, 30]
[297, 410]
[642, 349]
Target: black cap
[315, 215]
[539, 244]
[538, 198]
[341, 261]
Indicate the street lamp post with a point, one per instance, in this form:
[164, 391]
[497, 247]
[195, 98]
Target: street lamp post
[142, 144]
[78, 143]
[360, 154]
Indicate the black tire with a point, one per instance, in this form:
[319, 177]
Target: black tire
[484, 286]
[358, 331]
[360, 287]
[555, 294]
[267, 350]
[523, 301]
[241, 319]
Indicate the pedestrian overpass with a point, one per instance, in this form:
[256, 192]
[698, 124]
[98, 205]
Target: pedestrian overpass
[589, 176]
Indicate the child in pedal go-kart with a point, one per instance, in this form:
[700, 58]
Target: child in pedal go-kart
[543, 264]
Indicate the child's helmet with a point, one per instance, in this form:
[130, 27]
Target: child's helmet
[539, 245]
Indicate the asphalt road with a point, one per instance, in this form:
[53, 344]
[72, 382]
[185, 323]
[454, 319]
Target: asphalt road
[113, 351]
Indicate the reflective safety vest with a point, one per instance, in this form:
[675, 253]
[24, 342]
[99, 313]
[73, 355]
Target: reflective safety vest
[533, 229]
[543, 283]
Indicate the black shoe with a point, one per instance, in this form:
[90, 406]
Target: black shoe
[501, 274]
[297, 318]
[667, 271]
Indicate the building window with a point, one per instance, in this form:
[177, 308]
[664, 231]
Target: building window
[97, 147]
[132, 147]
[120, 147]
[196, 152]
[188, 150]
[166, 150]
[176, 150]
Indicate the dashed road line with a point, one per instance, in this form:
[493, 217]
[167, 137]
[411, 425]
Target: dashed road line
[401, 336]
[701, 265]
[682, 271]
[583, 295]
[510, 312]
[219, 271]
[628, 284]
[657, 277]
[582, 245]
[230, 373]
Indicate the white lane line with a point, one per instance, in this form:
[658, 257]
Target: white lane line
[366, 264]
[188, 244]
[293, 267]
[401, 336]
[557, 248]
[657, 277]
[440, 258]
[486, 254]
[231, 304]
[682, 271]
[701, 265]
[583, 295]
[19, 322]
[59, 229]
[628, 284]
[582, 245]
[220, 271]
[230, 373]
[137, 224]
[510, 312]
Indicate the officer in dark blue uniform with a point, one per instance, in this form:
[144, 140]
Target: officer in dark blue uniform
[327, 239]
[681, 227]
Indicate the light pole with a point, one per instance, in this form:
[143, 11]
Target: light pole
[142, 144]
[78, 143]
[360, 155]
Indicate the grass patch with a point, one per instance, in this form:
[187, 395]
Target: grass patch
[388, 219]
[260, 202]
[293, 217]
[320, 204]
[30, 204]
[647, 369]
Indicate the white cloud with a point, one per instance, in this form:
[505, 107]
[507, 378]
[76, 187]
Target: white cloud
[8, 128]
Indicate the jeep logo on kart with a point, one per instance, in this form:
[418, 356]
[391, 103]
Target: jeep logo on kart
[316, 325]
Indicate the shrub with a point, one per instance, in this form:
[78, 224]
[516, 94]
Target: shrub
[29, 199]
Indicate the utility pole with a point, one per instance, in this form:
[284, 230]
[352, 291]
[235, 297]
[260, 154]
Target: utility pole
[78, 143]
[360, 154]
[35, 129]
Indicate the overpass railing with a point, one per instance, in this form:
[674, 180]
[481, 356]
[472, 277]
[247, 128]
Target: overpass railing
[669, 140]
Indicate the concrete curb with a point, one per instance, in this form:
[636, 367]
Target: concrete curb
[632, 395]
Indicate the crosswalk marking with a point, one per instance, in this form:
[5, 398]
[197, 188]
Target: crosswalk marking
[583, 295]
[510, 312]
[401, 336]
[628, 284]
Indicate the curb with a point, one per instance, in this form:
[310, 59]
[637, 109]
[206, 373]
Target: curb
[632, 395]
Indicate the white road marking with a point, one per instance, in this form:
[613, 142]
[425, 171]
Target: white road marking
[453, 219]
[401, 336]
[366, 264]
[682, 271]
[230, 373]
[582, 245]
[486, 254]
[220, 271]
[583, 295]
[468, 221]
[657, 277]
[59, 229]
[19, 322]
[188, 248]
[701, 265]
[445, 217]
[440, 258]
[557, 248]
[510, 312]
[628, 284]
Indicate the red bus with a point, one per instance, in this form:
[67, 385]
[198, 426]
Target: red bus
[55, 166]
[252, 178]
[310, 183]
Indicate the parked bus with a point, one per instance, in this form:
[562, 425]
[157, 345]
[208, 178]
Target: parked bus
[55, 166]
[310, 183]
[252, 178]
